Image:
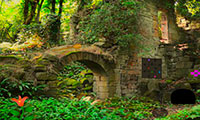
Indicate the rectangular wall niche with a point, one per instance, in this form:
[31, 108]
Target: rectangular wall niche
[151, 68]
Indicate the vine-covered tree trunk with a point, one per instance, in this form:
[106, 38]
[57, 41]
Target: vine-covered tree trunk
[32, 14]
[37, 19]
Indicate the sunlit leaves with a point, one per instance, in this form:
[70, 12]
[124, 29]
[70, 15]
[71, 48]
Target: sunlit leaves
[193, 6]
[188, 8]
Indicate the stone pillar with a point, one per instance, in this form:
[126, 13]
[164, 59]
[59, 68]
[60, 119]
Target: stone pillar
[117, 79]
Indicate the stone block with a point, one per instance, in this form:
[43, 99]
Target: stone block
[40, 68]
[180, 65]
[42, 76]
[181, 72]
[103, 95]
[188, 64]
[52, 84]
[102, 83]
[103, 89]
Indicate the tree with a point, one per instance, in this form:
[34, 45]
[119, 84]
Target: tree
[53, 5]
[29, 18]
[37, 19]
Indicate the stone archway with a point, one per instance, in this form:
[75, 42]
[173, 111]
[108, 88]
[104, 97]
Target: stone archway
[183, 96]
[103, 69]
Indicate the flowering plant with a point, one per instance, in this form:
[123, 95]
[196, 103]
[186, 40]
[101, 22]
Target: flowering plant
[20, 113]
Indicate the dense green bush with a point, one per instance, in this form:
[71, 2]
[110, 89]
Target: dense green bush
[75, 79]
[10, 88]
[114, 22]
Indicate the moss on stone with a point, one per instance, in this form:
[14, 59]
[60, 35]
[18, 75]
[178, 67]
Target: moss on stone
[72, 52]
[193, 81]
[11, 56]
[169, 81]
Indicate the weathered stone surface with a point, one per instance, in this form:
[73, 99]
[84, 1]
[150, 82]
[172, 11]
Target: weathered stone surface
[42, 76]
[183, 86]
[40, 68]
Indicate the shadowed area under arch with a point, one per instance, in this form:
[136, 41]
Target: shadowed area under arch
[102, 67]
[183, 96]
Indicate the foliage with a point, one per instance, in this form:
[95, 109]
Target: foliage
[194, 112]
[10, 88]
[74, 80]
[10, 20]
[111, 109]
[111, 21]
[188, 8]
[20, 113]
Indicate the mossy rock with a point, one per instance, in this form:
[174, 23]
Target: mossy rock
[72, 52]
[19, 74]
[23, 62]
[40, 68]
[182, 86]
[68, 82]
[194, 81]
[42, 76]
[50, 57]
[169, 81]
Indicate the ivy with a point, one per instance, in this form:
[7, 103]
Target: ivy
[114, 22]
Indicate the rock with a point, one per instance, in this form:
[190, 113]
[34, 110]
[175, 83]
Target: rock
[142, 86]
[153, 90]
[182, 86]
[5, 45]
[42, 76]
[19, 74]
[51, 58]
[40, 68]
[9, 59]
[41, 61]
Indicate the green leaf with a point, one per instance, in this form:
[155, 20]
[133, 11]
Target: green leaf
[14, 118]
[29, 109]
[20, 88]
[15, 113]
[29, 117]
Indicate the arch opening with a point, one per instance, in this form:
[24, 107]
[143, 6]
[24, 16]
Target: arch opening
[183, 96]
[163, 26]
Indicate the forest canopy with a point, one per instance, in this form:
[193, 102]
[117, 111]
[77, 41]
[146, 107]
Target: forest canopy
[21, 19]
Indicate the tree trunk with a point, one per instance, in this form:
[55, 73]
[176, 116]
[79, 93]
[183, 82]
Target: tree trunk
[53, 3]
[59, 18]
[26, 9]
[37, 19]
[60, 8]
[32, 14]
[1, 4]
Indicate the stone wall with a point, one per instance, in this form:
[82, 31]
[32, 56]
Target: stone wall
[175, 65]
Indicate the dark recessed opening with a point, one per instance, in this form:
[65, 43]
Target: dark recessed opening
[183, 96]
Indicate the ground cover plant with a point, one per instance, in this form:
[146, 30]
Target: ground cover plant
[29, 27]
[89, 109]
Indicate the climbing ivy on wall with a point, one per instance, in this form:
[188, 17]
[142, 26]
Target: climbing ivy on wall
[113, 22]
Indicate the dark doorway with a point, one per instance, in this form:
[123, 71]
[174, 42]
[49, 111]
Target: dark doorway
[183, 96]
